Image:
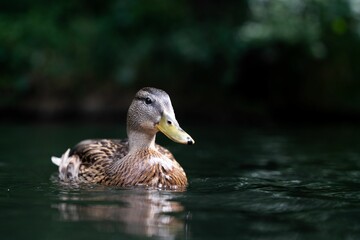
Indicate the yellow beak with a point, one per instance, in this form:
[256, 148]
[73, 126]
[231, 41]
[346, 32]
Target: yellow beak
[173, 131]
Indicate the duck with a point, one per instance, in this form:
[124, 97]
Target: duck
[136, 160]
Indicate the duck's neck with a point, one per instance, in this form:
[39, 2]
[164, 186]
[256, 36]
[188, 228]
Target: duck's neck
[139, 141]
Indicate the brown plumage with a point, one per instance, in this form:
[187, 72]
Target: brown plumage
[137, 161]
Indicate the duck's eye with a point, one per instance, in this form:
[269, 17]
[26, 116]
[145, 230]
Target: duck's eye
[148, 100]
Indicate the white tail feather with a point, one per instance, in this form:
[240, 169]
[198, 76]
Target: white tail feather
[68, 166]
[57, 161]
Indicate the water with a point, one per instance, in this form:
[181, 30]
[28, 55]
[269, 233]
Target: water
[245, 183]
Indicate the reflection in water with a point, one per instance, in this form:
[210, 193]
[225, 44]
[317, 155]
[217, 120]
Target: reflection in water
[139, 212]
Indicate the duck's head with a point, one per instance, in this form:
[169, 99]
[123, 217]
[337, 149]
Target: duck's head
[151, 111]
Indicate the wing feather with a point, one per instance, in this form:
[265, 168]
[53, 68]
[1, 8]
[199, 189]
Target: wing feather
[94, 151]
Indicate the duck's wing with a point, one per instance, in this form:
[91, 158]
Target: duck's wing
[105, 150]
[88, 159]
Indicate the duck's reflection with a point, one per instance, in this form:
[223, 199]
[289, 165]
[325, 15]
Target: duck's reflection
[140, 212]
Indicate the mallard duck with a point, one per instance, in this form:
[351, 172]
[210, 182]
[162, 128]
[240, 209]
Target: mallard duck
[137, 160]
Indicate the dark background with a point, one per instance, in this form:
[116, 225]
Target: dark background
[252, 61]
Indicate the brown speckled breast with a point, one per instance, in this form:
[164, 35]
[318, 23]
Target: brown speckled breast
[149, 168]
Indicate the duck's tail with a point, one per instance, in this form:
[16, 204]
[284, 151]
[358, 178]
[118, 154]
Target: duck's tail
[68, 165]
[57, 161]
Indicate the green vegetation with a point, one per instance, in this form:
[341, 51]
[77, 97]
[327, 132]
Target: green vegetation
[263, 56]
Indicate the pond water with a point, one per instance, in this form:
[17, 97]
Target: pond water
[245, 183]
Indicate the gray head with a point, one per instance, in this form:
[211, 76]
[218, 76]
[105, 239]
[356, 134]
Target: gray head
[151, 111]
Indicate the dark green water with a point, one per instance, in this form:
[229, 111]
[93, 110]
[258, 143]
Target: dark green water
[290, 183]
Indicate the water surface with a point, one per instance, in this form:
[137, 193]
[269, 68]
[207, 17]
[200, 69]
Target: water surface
[245, 183]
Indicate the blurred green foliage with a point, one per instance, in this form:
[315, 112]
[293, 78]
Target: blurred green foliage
[258, 54]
